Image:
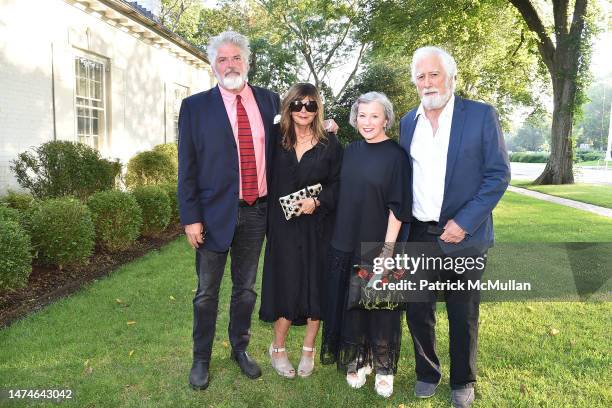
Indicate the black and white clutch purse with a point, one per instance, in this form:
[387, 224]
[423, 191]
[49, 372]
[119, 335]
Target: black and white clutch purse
[288, 202]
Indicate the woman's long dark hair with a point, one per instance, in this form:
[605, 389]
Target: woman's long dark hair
[298, 92]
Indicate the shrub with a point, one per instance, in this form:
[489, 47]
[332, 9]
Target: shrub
[62, 231]
[155, 206]
[583, 156]
[171, 190]
[62, 168]
[148, 168]
[529, 157]
[171, 151]
[12, 214]
[15, 255]
[18, 200]
[9, 214]
[514, 156]
[117, 219]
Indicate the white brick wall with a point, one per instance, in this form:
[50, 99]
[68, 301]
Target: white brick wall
[140, 79]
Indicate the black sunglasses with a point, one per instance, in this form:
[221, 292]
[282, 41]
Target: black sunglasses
[296, 106]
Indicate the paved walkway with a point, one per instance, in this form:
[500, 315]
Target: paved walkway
[595, 209]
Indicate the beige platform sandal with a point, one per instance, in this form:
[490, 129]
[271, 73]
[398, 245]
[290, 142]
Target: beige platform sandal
[306, 366]
[282, 365]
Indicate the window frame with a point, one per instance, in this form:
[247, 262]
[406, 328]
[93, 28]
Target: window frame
[102, 135]
[176, 107]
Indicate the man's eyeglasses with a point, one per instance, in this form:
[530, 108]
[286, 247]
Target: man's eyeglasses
[296, 106]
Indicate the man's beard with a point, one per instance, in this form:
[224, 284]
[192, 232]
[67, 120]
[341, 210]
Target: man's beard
[437, 101]
[231, 81]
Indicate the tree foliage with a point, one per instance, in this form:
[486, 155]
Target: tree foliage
[326, 35]
[381, 77]
[592, 128]
[509, 53]
[181, 16]
[533, 135]
[309, 40]
[273, 63]
[494, 52]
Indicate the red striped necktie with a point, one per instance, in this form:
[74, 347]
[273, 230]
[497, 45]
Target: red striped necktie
[248, 165]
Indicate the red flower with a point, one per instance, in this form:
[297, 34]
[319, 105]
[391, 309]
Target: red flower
[362, 273]
[384, 280]
[399, 273]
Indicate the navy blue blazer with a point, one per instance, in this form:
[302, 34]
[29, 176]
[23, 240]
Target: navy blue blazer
[477, 169]
[208, 173]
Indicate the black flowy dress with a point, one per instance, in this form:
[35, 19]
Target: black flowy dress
[296, 249]
[375, 179]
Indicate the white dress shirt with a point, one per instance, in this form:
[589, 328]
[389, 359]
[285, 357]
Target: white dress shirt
[428, 153]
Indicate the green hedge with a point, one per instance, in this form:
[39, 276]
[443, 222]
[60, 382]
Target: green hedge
[156, 210]
[10, 214]
[117, 218]
[171, 190]
[61, 168]
[62, 231]
[171, 151]
[583, 156]
[529, 157]
[542, 157]
[18, 200]
[150, 168]
[15, 255]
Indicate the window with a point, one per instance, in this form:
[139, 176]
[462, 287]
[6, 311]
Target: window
[89, 101]
[180, 93]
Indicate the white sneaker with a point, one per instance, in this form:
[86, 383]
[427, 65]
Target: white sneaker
[384, 385]
[358, 379]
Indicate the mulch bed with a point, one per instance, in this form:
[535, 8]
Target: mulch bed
[46, 285]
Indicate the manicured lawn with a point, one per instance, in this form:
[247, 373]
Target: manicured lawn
[86, 344]
[600, 163]
[588, 193]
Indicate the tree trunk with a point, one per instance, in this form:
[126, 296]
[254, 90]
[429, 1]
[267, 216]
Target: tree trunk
[559, 169]
[562, 58]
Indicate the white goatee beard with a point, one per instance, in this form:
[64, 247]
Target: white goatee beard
[232, 82]
[438, 101]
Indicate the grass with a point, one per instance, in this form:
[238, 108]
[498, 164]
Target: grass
[85, 343]
[600, 195]
[600, 163]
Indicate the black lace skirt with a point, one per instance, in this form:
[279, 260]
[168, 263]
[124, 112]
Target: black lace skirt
[355, 338]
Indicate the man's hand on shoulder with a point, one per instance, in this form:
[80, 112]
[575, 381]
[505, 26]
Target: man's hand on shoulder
[453, 233]
[330, 125]
[195, 234]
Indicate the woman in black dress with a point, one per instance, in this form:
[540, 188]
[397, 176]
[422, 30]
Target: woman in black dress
[296, 249]
[373, 201]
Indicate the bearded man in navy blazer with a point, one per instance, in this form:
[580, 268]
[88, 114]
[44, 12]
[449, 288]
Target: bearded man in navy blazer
[225, 140]
[460, 172]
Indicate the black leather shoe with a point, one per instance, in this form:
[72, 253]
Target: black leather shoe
[247, 365]
[198, 378]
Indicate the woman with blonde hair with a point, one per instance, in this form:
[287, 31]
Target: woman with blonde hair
[373, 201]
[297, 244]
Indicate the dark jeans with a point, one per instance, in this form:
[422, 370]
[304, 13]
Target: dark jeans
[210, 265]
[462, 310]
